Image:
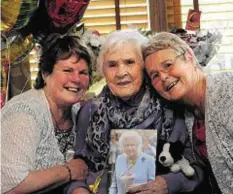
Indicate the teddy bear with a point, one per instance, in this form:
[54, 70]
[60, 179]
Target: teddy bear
[171, 156]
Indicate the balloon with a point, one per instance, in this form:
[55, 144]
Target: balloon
[4, 81]
[65, 12]
[56, 16]
[16, 13]
[18, 50]
[20, 78]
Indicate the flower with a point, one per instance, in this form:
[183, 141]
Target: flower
[93, 38]
[94, 41]
[143, 159]
[205, 44]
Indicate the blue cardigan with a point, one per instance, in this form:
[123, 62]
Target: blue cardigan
[143, 171]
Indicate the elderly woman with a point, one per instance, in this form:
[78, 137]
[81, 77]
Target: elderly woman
[177, 76]
[133, 166]
[36, 125]
[126, 102]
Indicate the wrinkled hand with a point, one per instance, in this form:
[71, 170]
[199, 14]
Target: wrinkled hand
[81, 190]
[78, 168]
[158, 186]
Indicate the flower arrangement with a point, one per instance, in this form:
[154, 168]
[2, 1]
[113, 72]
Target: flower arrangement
[94, 41]
[204, 44]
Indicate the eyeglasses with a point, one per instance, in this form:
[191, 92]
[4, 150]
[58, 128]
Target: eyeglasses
[164, 67]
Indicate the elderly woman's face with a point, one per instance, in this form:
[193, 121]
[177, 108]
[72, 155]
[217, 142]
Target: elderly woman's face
[130, 148]
[170, 74]
[68, 82]
[123, 71]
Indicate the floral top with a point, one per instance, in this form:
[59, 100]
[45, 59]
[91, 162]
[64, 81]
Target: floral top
[200, 138]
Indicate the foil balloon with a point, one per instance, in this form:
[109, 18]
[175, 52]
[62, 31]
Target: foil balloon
[55, 16]
[16, 14]
[20, 78]
[65, 12]
[4, 81]
[17, 51]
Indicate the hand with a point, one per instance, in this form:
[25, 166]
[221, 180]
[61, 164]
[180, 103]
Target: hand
[78, 168]
[158, 186]
[81, 190]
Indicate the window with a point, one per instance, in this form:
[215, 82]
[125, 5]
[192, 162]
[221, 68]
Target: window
[100, 15]
[216, 15]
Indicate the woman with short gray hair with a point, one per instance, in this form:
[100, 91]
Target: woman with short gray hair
[176, 76]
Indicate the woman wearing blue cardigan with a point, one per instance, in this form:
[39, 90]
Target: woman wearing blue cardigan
[133, 166]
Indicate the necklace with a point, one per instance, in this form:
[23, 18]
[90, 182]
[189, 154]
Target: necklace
[65, 136]
[131, 163]
[61, 122]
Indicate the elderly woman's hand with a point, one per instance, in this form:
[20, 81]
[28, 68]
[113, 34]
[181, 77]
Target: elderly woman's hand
[78, 168]
[158, 186]
[81, 190]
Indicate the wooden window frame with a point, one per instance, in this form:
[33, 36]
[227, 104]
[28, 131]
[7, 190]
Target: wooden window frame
[158, 14]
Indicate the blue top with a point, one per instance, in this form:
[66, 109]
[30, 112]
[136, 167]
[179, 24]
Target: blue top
[143, 171]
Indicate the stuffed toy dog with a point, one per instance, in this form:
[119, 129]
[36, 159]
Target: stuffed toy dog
[172, 157]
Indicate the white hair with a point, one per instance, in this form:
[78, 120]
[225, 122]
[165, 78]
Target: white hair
[131, 135]
[115, 42]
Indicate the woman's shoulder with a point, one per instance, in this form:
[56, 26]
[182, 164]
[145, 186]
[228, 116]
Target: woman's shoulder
[221, 77]
[29, 101]
[219, 86]
[219, 100]
[28, 96]
[89, 106]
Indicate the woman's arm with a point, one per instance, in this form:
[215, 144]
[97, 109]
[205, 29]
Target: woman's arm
[42, 179]
[19, 144]
[52, 177]
[157, 186]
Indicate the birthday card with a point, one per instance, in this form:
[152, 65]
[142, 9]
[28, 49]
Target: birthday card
[131, 158]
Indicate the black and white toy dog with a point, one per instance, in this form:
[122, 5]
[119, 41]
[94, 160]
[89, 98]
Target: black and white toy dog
[172, 157]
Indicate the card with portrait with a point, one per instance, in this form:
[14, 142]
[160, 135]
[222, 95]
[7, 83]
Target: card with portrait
[131, 158]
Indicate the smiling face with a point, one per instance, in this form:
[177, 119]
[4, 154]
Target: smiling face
[123, 71]
[68, 82]
[171, 74]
